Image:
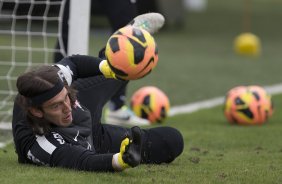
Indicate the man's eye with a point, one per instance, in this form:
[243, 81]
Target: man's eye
[55, 106]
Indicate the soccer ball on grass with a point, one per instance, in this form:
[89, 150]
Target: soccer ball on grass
[131, 53]
[247, 44]
[150, 103]
[248, 105]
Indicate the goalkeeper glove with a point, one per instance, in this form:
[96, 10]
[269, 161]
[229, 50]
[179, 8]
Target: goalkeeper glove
[106, 70]
[130, 151]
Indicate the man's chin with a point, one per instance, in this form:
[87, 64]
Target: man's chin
[67, 122]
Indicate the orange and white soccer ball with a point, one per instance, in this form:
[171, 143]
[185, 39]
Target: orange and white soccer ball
[248, 105]
[150, 103]
[132, 53]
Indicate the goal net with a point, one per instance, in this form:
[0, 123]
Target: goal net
[29, 32]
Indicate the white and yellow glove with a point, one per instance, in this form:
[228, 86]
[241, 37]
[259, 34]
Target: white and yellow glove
[106, 70]
[130, 151]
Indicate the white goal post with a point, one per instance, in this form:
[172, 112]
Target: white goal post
[79, 26]
[29, 30]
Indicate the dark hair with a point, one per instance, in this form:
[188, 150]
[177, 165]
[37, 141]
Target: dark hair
[36, 82]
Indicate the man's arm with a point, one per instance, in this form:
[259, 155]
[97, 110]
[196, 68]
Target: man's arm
[53, 151]
[81, 66]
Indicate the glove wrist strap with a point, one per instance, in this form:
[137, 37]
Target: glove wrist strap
[115, 162]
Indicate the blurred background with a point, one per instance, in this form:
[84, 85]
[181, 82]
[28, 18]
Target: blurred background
[196, 47]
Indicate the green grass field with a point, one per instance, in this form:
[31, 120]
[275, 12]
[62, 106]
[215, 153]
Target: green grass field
[197, 63]
[215, 152]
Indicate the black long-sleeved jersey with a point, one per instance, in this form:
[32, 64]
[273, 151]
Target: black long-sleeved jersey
[70, 147]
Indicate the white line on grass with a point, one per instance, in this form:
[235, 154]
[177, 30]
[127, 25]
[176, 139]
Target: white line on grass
[3, 144]
[193, 107]
[5, 126]
[182, 109]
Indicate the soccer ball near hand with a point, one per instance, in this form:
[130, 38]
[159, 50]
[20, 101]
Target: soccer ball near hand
[248, 105]
[150, 103]
[131, 53]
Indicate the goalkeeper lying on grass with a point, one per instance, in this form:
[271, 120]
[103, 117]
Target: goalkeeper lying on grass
[57, 126]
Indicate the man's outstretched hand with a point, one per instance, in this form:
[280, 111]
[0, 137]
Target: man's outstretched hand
[130, 151]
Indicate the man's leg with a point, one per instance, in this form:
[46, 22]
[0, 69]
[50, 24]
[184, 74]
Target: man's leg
[95, 92]
[122, 14]
[118, 113]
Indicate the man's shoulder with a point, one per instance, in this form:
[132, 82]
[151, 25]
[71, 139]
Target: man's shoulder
[78, 106]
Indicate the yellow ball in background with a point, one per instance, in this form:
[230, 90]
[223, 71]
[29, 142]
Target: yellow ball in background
[247, 44]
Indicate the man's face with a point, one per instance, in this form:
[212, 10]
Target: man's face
[57, 110]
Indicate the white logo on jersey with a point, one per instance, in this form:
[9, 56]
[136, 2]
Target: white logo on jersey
[89, 146]
[65, 73]
[75, 138]
[59, 138]
[77, 104]
[31, 157]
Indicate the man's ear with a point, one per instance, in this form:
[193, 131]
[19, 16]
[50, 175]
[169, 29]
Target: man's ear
[36, 112]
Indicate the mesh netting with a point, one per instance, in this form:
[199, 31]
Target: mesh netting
[29, 31]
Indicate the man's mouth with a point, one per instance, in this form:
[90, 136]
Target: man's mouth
[68, 117]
